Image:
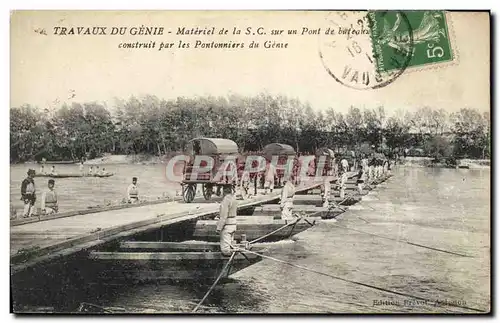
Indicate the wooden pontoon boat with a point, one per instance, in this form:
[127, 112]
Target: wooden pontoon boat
[303, 200]
[254, 227]
[145, 261]
[318, 211]
[73, 175]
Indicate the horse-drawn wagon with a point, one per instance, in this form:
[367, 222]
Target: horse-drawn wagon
[280, 155]
[210, 164]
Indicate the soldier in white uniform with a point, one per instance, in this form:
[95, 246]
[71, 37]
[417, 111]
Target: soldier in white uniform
[361, 178]
[226, 226]
[50, 204]
[333, 166]
[385, 168]
[344, 165]
[365, 176]
[371, 169]
[286, 203]
[133, 191]
[326, 191]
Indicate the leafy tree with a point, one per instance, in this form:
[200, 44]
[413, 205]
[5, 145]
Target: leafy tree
[354, 125]
[470, 132]
[153, 126]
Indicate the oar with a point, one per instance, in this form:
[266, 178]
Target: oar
[216, 281]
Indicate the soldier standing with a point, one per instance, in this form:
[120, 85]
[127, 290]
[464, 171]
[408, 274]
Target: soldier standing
[226, 226]
[344, 168]
[371, 169]
[28, 194]
[244, 188]
[269, 178]
[286, 202]
[361, 178]
[326, 191]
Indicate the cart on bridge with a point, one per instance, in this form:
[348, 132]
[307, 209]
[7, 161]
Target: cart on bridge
[282, 152]
[325, 159]
[218, 155]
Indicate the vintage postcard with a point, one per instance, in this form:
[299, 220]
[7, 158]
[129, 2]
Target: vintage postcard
[250, 162]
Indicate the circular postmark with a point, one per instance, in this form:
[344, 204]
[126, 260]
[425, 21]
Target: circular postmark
[366, 50]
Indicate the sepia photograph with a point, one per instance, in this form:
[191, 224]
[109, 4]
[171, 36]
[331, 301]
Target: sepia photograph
[250, 162]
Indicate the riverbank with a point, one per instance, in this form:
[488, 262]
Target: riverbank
[142, 159]
[152, 160]
[108, 159]
[428, 162]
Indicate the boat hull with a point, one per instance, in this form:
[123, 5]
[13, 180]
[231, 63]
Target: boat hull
[312, 210]
[316, 200]
[138, 264]
[72, 175]
[61, 162]
[253, 227]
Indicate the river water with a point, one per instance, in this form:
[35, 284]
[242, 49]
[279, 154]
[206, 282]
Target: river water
[444, 209]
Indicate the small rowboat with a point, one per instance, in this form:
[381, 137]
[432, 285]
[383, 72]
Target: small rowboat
[254, 227]
[60, 162]
[145, 261]
[73, 175]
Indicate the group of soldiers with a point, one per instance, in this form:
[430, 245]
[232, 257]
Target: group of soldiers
[226, 225]
[49, 201]
[370, 168]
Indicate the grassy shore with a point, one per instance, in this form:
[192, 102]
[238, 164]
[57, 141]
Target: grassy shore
[151, 160]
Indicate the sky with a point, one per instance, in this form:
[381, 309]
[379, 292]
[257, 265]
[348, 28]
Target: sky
[47, 70]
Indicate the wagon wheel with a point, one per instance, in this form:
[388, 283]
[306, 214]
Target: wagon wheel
[189, 192]
[219, 190]
[207, 191]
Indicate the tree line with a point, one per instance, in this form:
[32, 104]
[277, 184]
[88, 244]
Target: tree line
[153, 126]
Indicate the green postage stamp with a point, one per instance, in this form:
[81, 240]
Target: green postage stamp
[423, 34]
